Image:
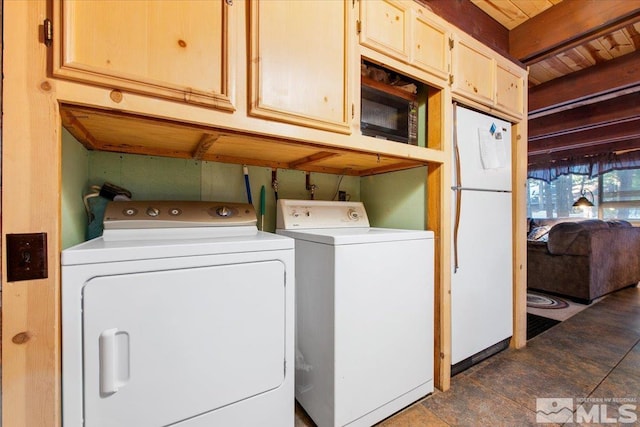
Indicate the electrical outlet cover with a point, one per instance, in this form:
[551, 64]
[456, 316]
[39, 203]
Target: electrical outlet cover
[26, 256]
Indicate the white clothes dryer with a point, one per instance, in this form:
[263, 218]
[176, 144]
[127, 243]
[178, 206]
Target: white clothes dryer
[181, 314]
[364, 312]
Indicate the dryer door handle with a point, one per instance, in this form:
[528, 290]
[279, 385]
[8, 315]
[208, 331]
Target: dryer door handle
[114, 360]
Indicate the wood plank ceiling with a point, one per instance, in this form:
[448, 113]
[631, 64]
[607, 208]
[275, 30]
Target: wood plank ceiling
[584, 72]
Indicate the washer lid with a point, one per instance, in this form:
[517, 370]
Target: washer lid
[350, 236]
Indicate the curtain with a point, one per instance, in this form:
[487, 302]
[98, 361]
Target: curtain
[591, 166]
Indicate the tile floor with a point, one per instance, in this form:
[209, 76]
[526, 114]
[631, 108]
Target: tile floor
[595, 354]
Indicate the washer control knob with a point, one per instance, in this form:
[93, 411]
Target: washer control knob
[353, 215]
[153, 212]
[295, 214]
[223, 211]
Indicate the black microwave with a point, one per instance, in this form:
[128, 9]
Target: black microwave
[389, 116]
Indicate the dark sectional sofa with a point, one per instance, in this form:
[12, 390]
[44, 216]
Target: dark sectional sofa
[582, 259]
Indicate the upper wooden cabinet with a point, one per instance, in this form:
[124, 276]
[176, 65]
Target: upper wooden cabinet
[510, 88]
[474, 73]
[406, 31]
[482, 76]
[430, 44]
[385, 27]
[300, 63]
[182, 50]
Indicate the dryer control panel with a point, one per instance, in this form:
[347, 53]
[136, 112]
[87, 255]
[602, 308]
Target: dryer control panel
[177, 214]
[307, 214]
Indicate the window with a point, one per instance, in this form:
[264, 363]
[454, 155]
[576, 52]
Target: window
[555, 199]
[615, 195]
[620, 194]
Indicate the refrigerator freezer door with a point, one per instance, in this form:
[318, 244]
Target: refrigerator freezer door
[484, 148]
[481, 288]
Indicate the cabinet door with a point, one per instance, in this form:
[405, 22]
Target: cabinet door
[430, 45]
[299, 63]
[510, 90]
[474, 70]
[167, 48]
[385, 27]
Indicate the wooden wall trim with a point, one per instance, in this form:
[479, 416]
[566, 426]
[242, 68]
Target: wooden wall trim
[519, 188]
[438, 211]
[31, 168]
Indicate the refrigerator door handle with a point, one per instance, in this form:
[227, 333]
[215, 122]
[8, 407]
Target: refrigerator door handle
[456, 188]
[456, 226]
[486, 190]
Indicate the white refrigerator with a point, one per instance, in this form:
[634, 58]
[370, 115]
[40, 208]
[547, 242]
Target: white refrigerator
[481, 286]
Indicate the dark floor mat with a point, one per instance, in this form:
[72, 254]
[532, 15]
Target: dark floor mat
[538, 324]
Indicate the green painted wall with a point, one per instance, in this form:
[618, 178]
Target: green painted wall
[396, 199]
[75, 176]
[161, 178]
[147, 177]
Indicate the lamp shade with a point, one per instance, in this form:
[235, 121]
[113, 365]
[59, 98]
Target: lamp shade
[583, 202]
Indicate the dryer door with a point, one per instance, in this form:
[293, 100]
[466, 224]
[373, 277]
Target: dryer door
[163, 346]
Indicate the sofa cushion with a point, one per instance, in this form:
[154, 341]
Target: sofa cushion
[572, 238]
[615, 223]
[537, 246]
[550, 222]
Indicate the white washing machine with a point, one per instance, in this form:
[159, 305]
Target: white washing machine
[364, 312]
[181, 314]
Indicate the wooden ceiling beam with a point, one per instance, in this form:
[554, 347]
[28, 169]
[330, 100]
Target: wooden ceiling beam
[567, 24]
[613, 78]
[607, 113]
[628, 130]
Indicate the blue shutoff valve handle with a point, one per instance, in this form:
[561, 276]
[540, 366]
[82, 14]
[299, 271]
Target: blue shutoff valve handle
[245, 170]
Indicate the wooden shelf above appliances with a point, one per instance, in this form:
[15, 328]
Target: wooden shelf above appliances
[113, 131]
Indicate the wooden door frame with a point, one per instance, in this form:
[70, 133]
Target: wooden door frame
[31, 188]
